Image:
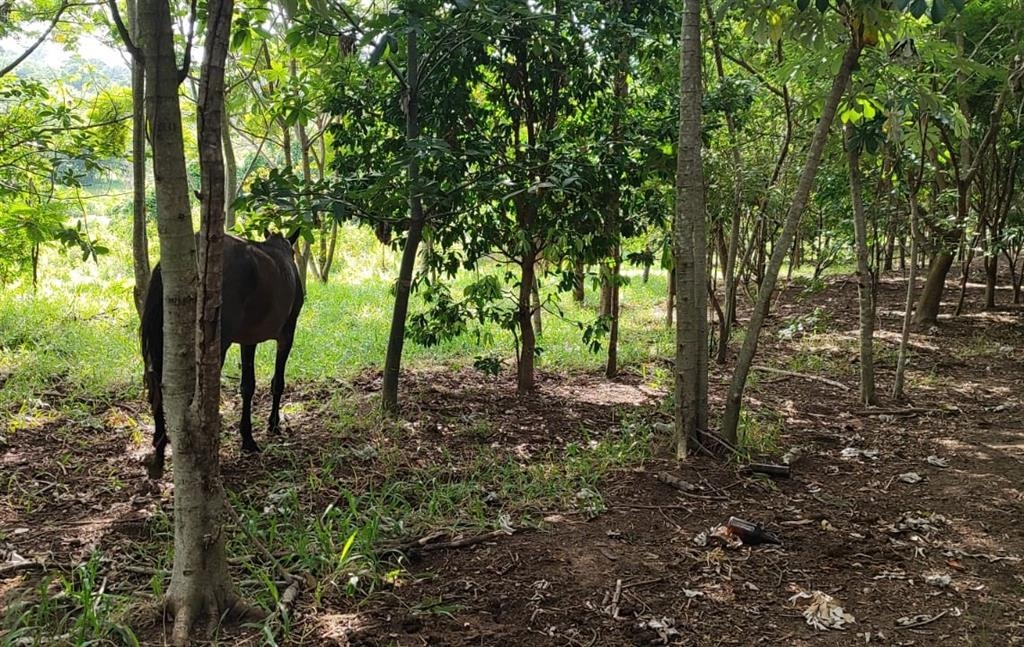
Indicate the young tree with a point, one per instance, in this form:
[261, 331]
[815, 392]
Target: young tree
[201, 590]
[855, 44]
[689, 244]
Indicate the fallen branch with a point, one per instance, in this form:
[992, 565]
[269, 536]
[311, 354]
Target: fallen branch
[685, 487]
[923, 622]
[907, 411]
[782, 471]
[467, 541]
[779, 371]
[7, 570]
[675, 482]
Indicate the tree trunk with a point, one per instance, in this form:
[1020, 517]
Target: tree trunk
[670, 300]
[729, 271]
[140, 239]
[611, 367]
[620, 90]
[327, 257]
[200, 588]
[931, 294]
[538, 320]
[525, 381]
[865, 280]
[901, 361]
[730, 422]
[417, 219]
[579, 274]
[307, 177]
[689, 244]
[230, 174]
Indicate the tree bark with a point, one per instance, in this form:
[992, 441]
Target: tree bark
[730, 422]
[729, 275]
[417, 219]
[901, 360]
[525, 379]
[200, 588]
[579, 273]
[865, 280]
[140, 238]
[230, 174]
[689, 244]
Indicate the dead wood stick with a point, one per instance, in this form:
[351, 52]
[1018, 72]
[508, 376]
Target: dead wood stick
[639, 506]
[769, 469]
[907, 411]
[13, 569]
[676, 482]
[779, 371]
[924, 622]
[685, 487]
[615, 599]
[465, 541]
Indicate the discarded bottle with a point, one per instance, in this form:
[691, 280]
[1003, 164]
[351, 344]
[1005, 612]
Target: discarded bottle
[750, 533]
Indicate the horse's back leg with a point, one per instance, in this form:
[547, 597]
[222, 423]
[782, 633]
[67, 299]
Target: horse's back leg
[155, 466]
[284, 347]
[248, 388]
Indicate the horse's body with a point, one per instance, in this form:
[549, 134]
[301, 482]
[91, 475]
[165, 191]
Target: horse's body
[261, 299]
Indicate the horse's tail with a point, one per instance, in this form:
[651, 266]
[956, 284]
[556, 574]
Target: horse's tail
[152, 330]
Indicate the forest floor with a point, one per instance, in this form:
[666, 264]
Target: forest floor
[908, 515]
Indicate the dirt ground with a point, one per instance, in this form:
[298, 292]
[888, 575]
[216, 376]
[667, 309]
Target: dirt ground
[909, 515]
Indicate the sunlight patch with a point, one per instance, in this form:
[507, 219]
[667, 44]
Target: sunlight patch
[338, 627]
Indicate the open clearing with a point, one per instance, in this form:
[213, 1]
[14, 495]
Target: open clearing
[603, 551]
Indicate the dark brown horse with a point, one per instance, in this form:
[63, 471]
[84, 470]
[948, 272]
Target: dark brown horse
[262, 297]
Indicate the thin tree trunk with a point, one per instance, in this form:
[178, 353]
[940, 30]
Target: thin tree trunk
[965, 273]
[865, 281]
[729, 276]
[670, 300]
[689, 244]
[611, 367]
[579, 278]
[230, 174]
[901, 361]
[730, 422]
[525, 380]
[307, 178]
[538, 319]
[140, 239]
[327, 258]
[417, 219]
[620, 91]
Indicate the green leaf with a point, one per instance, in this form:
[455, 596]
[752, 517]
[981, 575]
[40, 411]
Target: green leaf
[918, 7]
[803, 4]
[822, 5]
[938, 11]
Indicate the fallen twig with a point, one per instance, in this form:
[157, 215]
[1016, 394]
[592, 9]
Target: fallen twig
[675, 482]
[923, 622]
[908, 412]
[685, 487]
[429, 543]
[467, 541]
[779, 371]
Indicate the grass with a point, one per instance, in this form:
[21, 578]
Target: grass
[77, 334]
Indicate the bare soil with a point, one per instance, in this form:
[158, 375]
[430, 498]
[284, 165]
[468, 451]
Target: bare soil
[932, 562]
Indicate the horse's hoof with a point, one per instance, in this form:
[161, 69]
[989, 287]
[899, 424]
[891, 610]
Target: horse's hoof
[250, 447]
[154, 469]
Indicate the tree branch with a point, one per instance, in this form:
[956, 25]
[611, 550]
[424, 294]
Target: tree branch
[186, 61]
[39, 41]
[122, 30]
